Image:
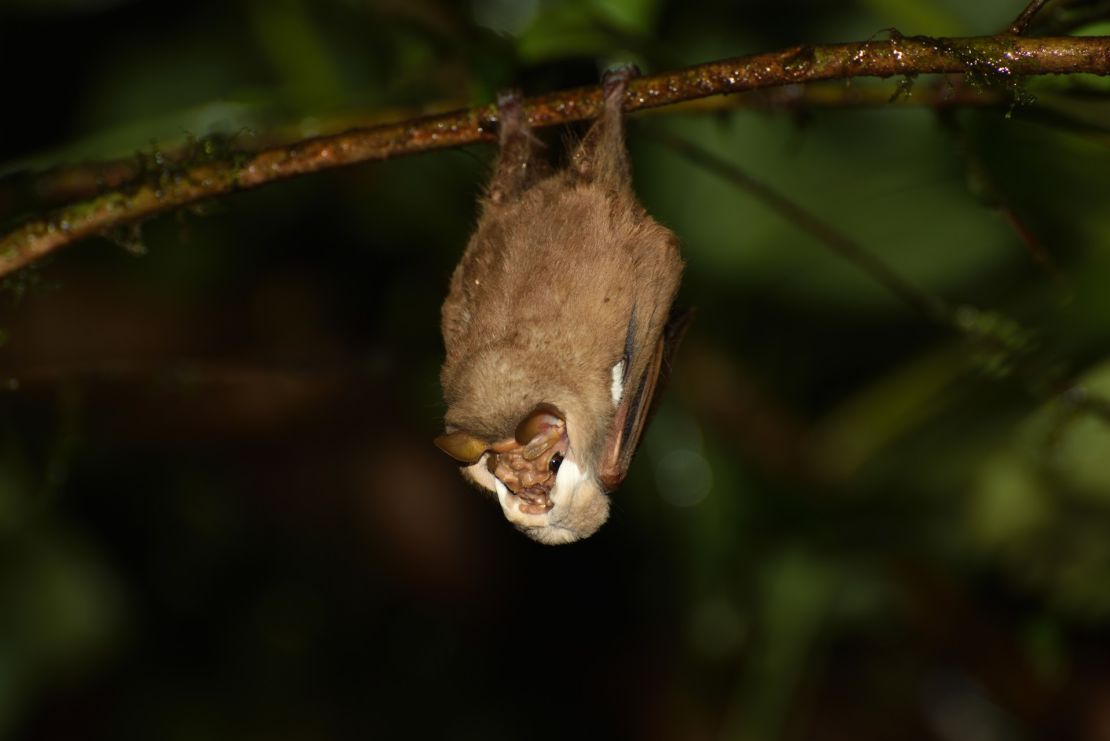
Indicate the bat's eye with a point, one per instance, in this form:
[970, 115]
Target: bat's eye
[556, 461]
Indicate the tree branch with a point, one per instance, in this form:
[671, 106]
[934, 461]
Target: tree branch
[66, 183]
[988, 61]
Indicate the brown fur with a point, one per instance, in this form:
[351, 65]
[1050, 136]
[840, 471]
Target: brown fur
[539, 306]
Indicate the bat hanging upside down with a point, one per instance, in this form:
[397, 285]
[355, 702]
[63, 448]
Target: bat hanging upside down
[558, 328]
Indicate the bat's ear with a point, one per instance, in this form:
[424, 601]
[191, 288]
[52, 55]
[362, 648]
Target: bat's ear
[601, 156]
[517, 165]
[539, 429]
[462, 446]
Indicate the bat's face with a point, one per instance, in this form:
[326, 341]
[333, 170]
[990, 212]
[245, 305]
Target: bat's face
[557, 332]
[541, 486]
[552, 474]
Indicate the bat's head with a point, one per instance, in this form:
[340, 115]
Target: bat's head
[546, 486]
[552, 465]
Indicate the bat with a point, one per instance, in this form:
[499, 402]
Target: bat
[558, 327]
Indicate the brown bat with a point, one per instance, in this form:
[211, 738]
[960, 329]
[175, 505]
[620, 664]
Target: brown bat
[557, 328]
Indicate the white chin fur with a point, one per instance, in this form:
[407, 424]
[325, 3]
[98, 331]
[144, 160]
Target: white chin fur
[580, 505]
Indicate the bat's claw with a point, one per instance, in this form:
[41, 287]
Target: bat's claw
[626, 72]
[614, 81]
[510, 113]
[508, 101]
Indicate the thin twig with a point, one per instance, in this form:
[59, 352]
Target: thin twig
[1021, 23]
[962, 320]
[965, 321]
[929, 306]
[989, 192]
[997, 59]
[1033, 245]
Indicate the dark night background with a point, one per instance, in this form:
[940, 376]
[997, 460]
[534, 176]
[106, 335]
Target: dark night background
[221, 515]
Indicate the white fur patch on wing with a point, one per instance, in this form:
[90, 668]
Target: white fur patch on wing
[617, 389]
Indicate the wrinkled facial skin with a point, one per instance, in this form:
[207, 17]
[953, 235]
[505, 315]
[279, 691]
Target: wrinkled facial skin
[556, 328]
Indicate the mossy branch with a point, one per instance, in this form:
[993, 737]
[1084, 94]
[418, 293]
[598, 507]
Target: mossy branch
[992, 61]
[38, 191]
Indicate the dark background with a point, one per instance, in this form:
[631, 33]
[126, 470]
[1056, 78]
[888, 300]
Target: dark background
[221, 515]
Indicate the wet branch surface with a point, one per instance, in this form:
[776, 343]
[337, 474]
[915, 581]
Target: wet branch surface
[64, 184]
[993, 62]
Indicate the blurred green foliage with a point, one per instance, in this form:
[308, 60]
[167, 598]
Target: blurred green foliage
[220, 514]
